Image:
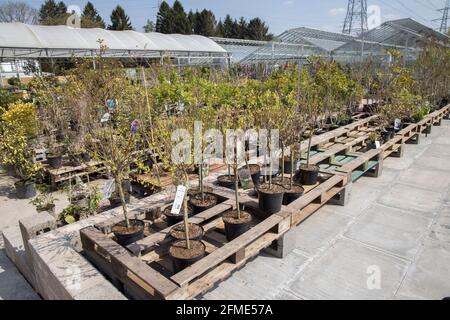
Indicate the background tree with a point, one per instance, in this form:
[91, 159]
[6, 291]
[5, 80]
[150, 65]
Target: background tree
[150, 26]
[164, 21]
[205, 24]
[257, 30]
[229, 27]
[90, 17]
[181, 22]
[192, 17]
[219, 29]
[120, 20]
[18, 12]
[52, 13]
[242, 29]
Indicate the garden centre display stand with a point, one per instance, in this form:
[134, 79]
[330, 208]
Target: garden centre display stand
[143, 270]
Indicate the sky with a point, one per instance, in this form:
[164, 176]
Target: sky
[280, 15]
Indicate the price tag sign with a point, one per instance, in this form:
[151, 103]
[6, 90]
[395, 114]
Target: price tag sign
[377, 144]
[179, 198]
[108, 188]
[246, 179]
[397, 124]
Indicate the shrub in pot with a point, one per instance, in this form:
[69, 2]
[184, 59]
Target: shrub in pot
[18, 123]
[44, 202]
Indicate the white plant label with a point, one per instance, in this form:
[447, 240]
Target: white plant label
[398, 124]
[246, 179]
[377, 144]
[108, 189]
[179, 198]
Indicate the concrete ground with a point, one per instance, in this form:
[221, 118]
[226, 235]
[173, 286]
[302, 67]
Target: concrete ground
[392, 241]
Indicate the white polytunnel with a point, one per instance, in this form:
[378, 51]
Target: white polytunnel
[22, 41]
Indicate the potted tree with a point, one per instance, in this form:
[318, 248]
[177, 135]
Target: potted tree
[237, 221]
[188, 249]
[270, 193]
[203, 115]
[313, 109]
[110, 130]
[18, 123]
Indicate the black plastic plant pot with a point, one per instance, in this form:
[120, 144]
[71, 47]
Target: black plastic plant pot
[235, 227]
[288, 167]
[199, 206]
[371, 145]
[388, 134]
[115, 200]
[25, 190]
[124, 236]
[292, 195]
[183, 257]
[86, 157]
[270, 202]
[309, 175]
[226, 181]
[256, 176]
[55, 161]
[196, 232]
[172, 219]
[255, 173]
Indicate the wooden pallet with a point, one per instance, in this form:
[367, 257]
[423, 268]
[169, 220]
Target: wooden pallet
[151, 271]
[144, 270]
[361, 164]
[66, 173]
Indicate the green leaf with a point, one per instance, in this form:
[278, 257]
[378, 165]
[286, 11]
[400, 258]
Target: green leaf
[69, 219]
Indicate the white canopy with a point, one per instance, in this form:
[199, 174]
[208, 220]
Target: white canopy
[18, 40]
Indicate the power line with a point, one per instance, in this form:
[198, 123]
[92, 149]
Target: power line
[410, 10]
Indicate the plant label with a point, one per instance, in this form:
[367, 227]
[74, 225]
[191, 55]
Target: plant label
[205, 170]
[108, 188]
[377, 144]
[179, 198]
[105, 118]
[111, 104]
[397, 124]
[246, 179]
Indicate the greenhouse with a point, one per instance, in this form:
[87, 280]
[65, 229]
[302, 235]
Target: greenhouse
[296, 45]
[22, 41]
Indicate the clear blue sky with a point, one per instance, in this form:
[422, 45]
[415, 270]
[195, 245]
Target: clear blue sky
[279, 14]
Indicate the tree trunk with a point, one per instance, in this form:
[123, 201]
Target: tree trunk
[309, 148]
[186, 220]
[124, 204]
[292, 168]
[282, 161]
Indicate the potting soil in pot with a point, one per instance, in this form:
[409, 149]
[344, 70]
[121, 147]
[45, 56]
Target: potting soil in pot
[209, 200]
[179, 250]
[195, 232]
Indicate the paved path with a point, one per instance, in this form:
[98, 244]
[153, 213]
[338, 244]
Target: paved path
[392, 241]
